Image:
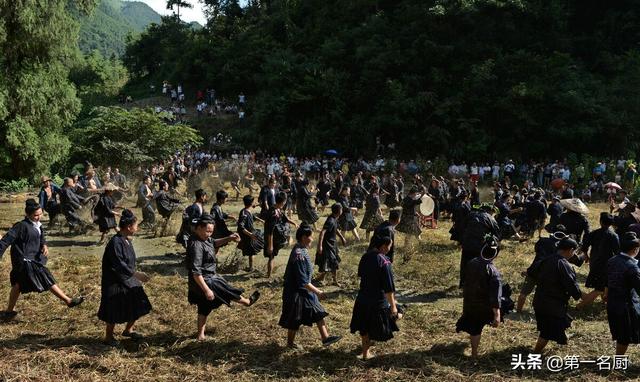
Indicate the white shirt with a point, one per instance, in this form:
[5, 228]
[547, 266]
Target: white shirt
[37, 226]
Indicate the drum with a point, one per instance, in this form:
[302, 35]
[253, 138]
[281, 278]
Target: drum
[427, 206]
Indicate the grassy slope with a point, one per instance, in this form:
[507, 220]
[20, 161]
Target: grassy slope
[49, 342]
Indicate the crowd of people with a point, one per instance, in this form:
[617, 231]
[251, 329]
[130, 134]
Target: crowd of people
[356, 194]
[207, 103]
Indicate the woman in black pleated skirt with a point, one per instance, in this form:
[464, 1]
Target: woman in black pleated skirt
[375, 311]
[29, 253]
[123, 299]
[300, 298]
[207, 289]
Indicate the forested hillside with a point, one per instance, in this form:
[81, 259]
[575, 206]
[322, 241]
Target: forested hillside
[461, 78]
[107, 27]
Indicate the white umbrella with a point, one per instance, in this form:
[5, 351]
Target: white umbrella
[613, 185]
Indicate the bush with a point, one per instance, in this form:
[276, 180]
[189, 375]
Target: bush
[12, 186]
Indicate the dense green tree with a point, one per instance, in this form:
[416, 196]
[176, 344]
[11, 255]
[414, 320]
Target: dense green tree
[127, 138]
[37, 102]
[98, 80]
[461, 78]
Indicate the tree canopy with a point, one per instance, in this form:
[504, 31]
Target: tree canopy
[37, 101]
[461, 78]
[128, 138]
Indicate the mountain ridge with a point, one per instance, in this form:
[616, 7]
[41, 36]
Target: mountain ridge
[107, 27]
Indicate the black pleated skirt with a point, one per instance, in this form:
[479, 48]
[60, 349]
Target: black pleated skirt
[301, 310]
[32, 277]
[473, 323]
[307, 215]
[371, 220]
[373, 320]
[624, 326]
[346, 222]
[553, 328]
[596, 280]
[251, 247]
[223, 291]
[120, 304]
[409, 225]
[106, 223]
[329, 260]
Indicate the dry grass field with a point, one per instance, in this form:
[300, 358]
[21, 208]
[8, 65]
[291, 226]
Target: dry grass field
[48, 342]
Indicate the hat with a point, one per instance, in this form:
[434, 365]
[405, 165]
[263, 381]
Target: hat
[110, 187]
[567, 243]
[44, 179]
[575, 205]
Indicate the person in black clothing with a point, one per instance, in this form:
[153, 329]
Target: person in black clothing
[577, 224]
[207, 289]
[435, 192]
[387, 229]
[475, 194]
[276, 231]
[357, 193]
[503, 218]
[251, 239]
[145, 201]
[267, 198]
[324, 188]
[461, 208]
[482, 295]
[621, 294]
[29, 253]
[604, 244]
[545, 246]
[556, 283]
[624, 219]
[48, 197]
[480, 223]
[372, 214]
[220, 217]
[106, 213]
[375, 310]
[70, 204]
[189, 215]
[123, 299]
[165, 204]
[288, 186]
[327, 257]
[391, 189]
[306, 212]
[300, 298]
[409, 220]
[554, 210]
[535, 214]
[346, 222]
